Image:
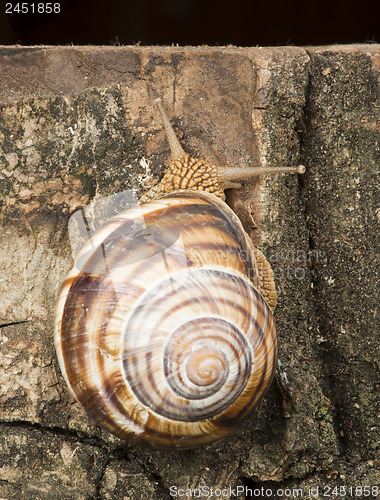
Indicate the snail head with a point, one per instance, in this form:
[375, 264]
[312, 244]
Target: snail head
[195, 174]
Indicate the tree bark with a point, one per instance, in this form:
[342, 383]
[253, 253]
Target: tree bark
[75, 125]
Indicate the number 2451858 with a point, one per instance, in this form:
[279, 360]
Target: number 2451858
[32, 8]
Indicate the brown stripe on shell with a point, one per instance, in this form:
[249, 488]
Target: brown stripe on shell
[269, 368]
[215, 219]
[147, 391]
[166, 219]
[75, 331]
[174, 411]
[176, 355]
[197, 213]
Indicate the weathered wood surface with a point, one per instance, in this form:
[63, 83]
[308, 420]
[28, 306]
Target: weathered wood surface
[75, 123]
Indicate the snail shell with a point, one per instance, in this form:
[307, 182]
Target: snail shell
[162, 330]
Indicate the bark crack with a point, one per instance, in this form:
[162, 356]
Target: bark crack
[102, 473]
[56, 431]
[4, 325]
[326, 351]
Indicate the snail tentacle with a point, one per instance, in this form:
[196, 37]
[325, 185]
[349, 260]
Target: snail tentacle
[175, 147]
[228, 174]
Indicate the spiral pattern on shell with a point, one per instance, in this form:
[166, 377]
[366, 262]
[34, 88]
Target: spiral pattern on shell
[161, 331]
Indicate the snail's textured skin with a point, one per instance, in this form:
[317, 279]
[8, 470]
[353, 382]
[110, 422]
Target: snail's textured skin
[188, 173]
[162, 333]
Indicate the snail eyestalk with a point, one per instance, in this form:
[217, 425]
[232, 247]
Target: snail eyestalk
[230, 174]
[175, 147]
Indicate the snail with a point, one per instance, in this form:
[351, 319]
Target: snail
[164, 326]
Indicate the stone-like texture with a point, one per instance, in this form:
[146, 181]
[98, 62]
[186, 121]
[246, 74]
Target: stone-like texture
[75, 125]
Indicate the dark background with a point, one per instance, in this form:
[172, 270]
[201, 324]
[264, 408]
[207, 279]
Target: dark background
[193, 22]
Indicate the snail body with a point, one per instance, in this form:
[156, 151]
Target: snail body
[164, 326]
